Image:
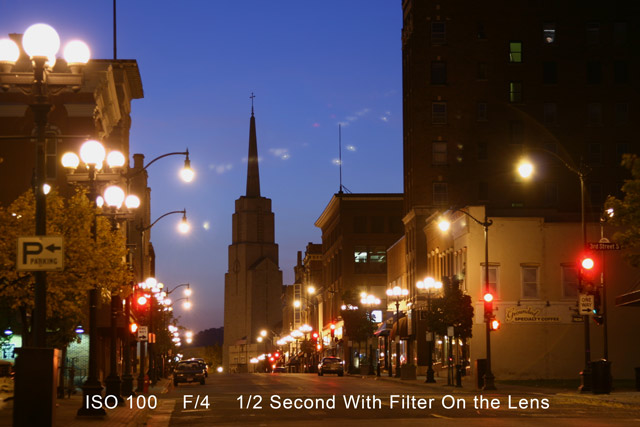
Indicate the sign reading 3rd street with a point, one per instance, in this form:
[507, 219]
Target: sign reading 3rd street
[40, 253]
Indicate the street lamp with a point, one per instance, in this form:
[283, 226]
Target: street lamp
[489, 379]
[429, 284]
[525, 170]
[397, 292]
[91, 159]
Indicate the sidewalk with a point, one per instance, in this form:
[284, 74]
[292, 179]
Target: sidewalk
[625, 397]
[66, 411]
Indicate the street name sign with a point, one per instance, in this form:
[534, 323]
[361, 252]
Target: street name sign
[40, 253]
[586, 304]
[604, 246]
[143, 333]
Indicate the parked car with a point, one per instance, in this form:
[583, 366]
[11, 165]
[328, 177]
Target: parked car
[280, 368]
[331, 365]
[203, 363]
[188, 371]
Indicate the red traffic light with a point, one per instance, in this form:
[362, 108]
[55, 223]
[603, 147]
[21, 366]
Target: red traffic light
[587, 263]
[488, 297]
[142, 300]
[277, 355]
[315, 335]
[494, 324]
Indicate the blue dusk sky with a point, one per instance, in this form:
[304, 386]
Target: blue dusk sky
[311, 65]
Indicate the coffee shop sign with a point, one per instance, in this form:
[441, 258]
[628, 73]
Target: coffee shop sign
[528, 315]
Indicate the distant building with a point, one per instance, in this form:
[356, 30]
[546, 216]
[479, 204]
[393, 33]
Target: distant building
[253, 283]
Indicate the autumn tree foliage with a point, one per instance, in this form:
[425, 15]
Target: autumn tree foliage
[88, 262]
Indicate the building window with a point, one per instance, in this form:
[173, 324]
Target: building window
[438, 33]
[594, 113]
[482, 71]
[515, 92]
[439, 153]
[593, 33]
[515, 51]
[529, 282]
[493, 280]
[360, 224]
[549, 32]
[594, 72]
[620, 72]
[516, 132]
[481, 112]
[438, 113]
[551, 194]
[619, 33]
[440, 193]
[549, 72]
[370, 260]
[483, 191]
[483, 150]
[569, 281]
[438, 72]
[550, 115]
[622, 113]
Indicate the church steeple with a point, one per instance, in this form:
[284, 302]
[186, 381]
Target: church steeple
[253, 173]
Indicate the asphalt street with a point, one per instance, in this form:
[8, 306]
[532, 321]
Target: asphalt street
[307, 399]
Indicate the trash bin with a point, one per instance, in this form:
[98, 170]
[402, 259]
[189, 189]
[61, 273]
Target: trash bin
[638, 378]
[481, 369]
[601, 377]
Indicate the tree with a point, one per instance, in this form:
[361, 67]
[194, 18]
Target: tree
[453, 309]
[87, 262]
[626, 211]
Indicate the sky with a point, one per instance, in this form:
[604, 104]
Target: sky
[312, 65]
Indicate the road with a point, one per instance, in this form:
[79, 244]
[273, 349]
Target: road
[271, 400]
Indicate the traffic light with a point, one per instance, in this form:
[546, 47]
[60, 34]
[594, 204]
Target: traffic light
[597, 308]
[494, 324]
[133, 327]
[333, 330]
[587, 273]
[488, 305]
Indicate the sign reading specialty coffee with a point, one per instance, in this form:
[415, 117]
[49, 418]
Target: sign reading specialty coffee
[528, 315]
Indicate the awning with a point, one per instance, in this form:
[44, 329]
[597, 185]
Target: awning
[632, 299]
[401, 324]
[385, 328]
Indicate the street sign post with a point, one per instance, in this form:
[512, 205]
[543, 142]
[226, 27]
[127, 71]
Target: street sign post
[143, 333]
[40, 253]
[586, 304]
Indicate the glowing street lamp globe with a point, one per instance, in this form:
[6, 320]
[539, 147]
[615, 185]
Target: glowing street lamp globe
[92, 153]
[76, 52]
[41, 40]
[9, 51]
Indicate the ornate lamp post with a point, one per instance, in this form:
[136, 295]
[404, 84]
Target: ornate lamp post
[429, 284]
[489, 379]
[369, 301]
[397, 293]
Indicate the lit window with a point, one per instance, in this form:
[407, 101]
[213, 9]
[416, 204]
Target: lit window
[549, 32]
[530, 282]
[515, 92]
[515, 52]
[360, 255]
[439, 113]
[439, 153]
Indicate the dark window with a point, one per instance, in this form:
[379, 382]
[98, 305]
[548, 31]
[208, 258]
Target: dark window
[439, 153]
[550, 116]
[483, 150]
[516, 132]
[360, 224]
[594, 113]
[377, 224]
[440, 193]
[481, 112]
[593, 33]
[482, 71]
[515, 92]
[594, 72]
[482, 35]
[619, 33]
[549, 32]
[620, 72]
[622, 113]
[439, 113]
[515, 51]
[549, 72]
[438, 33]
[595, 153]
[483, 190]
[438, 72]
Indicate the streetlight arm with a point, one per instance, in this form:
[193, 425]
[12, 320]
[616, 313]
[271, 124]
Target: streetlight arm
[188, 285]
[183, 212]
[580, 172]
[139, 171]
[486, 223]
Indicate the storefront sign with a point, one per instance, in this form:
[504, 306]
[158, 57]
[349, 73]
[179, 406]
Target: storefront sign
[528, 315]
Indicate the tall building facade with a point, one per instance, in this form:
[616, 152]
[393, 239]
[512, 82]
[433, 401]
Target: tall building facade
[253, 283]
[484, 85]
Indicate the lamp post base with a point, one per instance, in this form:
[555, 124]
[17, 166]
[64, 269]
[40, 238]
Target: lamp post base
[430, 375]
[90, 408]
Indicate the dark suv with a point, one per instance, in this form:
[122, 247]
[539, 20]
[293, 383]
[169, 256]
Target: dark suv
[331, 365]
[188, 372]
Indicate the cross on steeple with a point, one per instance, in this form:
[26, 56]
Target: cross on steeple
[252, 96]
